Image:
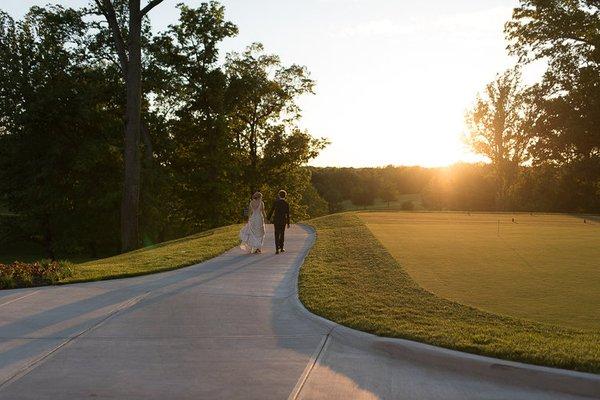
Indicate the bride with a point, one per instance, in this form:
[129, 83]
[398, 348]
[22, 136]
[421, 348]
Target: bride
[253, 233]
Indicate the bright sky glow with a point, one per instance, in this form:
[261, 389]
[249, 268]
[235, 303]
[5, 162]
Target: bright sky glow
[394, 78]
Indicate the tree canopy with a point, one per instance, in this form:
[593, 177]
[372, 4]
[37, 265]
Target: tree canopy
[211, 130]
[566, 35]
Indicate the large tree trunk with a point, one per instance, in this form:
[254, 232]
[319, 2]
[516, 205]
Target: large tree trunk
[130, 60]
[253, 181]
[131, 188]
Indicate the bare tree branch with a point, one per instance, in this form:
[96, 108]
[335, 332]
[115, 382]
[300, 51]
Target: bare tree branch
[108, 57]
[149, 6]
[107, 9]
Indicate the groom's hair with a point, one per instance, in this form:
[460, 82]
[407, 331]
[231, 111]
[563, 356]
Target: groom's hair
[282, 193]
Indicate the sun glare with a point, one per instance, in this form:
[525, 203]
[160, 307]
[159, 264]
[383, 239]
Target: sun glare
[399, 93]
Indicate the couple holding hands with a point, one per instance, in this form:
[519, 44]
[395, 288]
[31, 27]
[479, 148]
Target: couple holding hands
[253, 233]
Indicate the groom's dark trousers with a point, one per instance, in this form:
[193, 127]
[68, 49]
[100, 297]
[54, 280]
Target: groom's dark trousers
[279, 236]
[280, 215]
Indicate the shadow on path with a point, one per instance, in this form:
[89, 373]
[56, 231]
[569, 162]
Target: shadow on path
[231, 327]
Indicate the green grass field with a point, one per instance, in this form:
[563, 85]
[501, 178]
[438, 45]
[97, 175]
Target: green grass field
[541, 267]
[157, 258]
[161, 257]
[350, 278]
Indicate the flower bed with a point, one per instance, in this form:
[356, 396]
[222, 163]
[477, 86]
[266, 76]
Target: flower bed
[44, 272]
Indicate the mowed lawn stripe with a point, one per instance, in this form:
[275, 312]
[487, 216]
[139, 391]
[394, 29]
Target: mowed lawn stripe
[350, 278]
[540, 267]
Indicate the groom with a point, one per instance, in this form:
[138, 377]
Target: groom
[280, 216]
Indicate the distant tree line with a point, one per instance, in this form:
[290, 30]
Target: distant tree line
[362, 186]
[461, 187]
[211, 131]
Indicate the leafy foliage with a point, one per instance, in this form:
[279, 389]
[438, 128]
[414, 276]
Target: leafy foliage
[363, 185]
[264, 114]
[191, 99]
[62, 108]
[498, 129]
[462, 187]
[566, 35]
[44, 272]
[59, 141]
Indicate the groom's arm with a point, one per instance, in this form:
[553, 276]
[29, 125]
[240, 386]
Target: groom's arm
[287, 214]
[271, 212]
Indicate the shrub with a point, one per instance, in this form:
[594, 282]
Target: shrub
[43, 272]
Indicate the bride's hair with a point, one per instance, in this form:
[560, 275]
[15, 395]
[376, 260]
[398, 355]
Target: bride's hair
[257, 195]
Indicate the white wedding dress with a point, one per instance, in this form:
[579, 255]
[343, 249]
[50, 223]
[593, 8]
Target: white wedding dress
[253, 233]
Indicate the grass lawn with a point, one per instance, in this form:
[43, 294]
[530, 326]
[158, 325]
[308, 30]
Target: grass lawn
[541, 267]
[161, 257]
[349, 277]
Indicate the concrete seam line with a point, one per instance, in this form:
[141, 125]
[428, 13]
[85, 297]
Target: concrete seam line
[19, 298]
[38, 361]
[259, 296]
[314, 360]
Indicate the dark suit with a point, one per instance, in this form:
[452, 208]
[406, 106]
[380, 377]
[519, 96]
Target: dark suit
[280, 216]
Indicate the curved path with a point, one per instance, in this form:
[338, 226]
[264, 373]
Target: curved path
[232, 328]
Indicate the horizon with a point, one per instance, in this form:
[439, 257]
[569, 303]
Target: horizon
[404, 109]
[456, 163]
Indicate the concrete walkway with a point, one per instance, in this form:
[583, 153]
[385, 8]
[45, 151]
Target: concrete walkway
[232, 328]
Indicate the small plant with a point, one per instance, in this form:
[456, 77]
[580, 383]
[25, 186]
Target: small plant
[39, 273]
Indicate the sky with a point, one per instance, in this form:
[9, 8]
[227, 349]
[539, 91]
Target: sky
[394, 78]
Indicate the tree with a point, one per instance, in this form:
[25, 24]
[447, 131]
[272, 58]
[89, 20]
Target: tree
[264, 112]
[363, 197]
[566, 35]
[192, 87]
[388, 194]
[497, 129]
[315, 205]
[364, 193]
[129, 51]
[59, 160]
[563, 32]
[461, 187]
